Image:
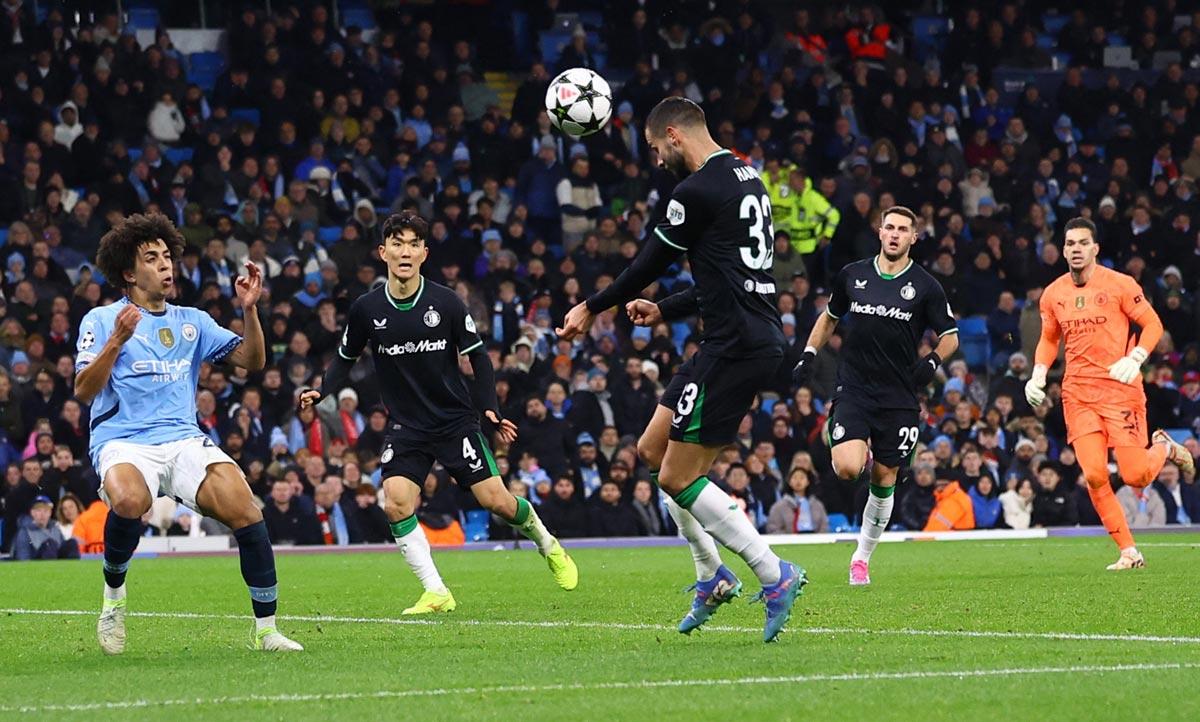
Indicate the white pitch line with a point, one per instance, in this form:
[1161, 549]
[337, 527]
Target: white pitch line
[624, 626]
[590, 686]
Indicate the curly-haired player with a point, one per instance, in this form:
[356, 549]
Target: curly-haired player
[137, 364]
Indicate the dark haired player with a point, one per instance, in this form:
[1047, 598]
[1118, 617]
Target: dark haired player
[137, 363]
[416, 331]
[719, 215]
[888, 301]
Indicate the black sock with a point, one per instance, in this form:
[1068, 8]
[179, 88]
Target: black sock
[258, 567]
[121, 538]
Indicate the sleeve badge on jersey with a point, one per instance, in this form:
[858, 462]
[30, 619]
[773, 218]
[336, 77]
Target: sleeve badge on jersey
[675, 212]
[433, 318]
[470, 324]
[87, 340]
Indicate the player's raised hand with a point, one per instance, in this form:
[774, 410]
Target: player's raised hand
[643, 312]
[577, 323]
[127, 321]
[505, 428]
[249, 286]
[309, 397]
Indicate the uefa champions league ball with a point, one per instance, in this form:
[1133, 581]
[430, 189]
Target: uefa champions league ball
[579, 102]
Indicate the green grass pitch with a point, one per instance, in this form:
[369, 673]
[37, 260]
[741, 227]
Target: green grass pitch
[961, 630]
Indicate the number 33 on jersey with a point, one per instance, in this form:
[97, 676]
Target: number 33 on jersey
[721, 216]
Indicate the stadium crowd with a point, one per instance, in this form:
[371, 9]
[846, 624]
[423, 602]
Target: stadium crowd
[312, 132]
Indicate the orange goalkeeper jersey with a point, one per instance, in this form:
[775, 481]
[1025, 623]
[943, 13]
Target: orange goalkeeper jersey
[1094, 319]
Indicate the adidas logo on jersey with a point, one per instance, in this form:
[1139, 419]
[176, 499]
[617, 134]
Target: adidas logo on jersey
[880, 310]
[424, 346]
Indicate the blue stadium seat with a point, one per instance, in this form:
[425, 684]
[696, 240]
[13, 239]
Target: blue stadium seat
[1117, 40]
[3, 236]
[207, 60]
[974, 342]
[134, 154]
[1181, 434]
[768, 405]
[839, 523]
[1046, 42]
[929, 35]
[179, 155]
[143, 18]
[362, 17]
[204, 68]
[551, 45]
[246, 115]
[972, 324]
[476, 528]
[329, 234]
[1055, 23]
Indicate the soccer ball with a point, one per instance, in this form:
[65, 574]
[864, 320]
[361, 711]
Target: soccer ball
[579, 102]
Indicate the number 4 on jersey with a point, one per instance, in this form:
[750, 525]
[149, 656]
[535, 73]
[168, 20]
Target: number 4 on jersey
[757, 210]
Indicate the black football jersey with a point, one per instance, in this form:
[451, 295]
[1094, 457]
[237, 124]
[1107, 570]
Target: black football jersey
[721, 216]
[886, 317]
[415, 346]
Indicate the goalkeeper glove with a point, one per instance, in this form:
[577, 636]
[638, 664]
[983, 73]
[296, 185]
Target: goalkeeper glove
[1128, 368]
[1035, 388]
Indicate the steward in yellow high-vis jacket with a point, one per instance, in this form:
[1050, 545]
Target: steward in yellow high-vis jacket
[808, 216]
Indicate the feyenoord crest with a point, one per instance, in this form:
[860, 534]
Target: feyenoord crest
[907, 292]
[166, 337]
[189, 332]
[432, 317]
[1079, 302]
[838, 431]
[386, 456]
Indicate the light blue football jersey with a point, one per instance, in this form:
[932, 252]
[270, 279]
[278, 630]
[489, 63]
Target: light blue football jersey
[150, 397]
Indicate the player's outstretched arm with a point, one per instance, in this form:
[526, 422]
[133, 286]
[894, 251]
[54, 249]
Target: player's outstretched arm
[95, 375]
[654, 259]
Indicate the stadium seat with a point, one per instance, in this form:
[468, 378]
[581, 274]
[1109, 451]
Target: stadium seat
[929, 35]
[476, 528]
[204, 68]
[551, 46]
[839, 523]
[3, 236]
[207, 60]
[246, 115]
[1180, 434]
[134, 154]
[1053, 24]
[768, 405]
[328, 235]
[974, 342]
[179, 155]
[143, 18]
[1046, 42]
[362, 17]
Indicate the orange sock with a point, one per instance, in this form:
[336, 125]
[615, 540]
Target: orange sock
[1111, 515]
